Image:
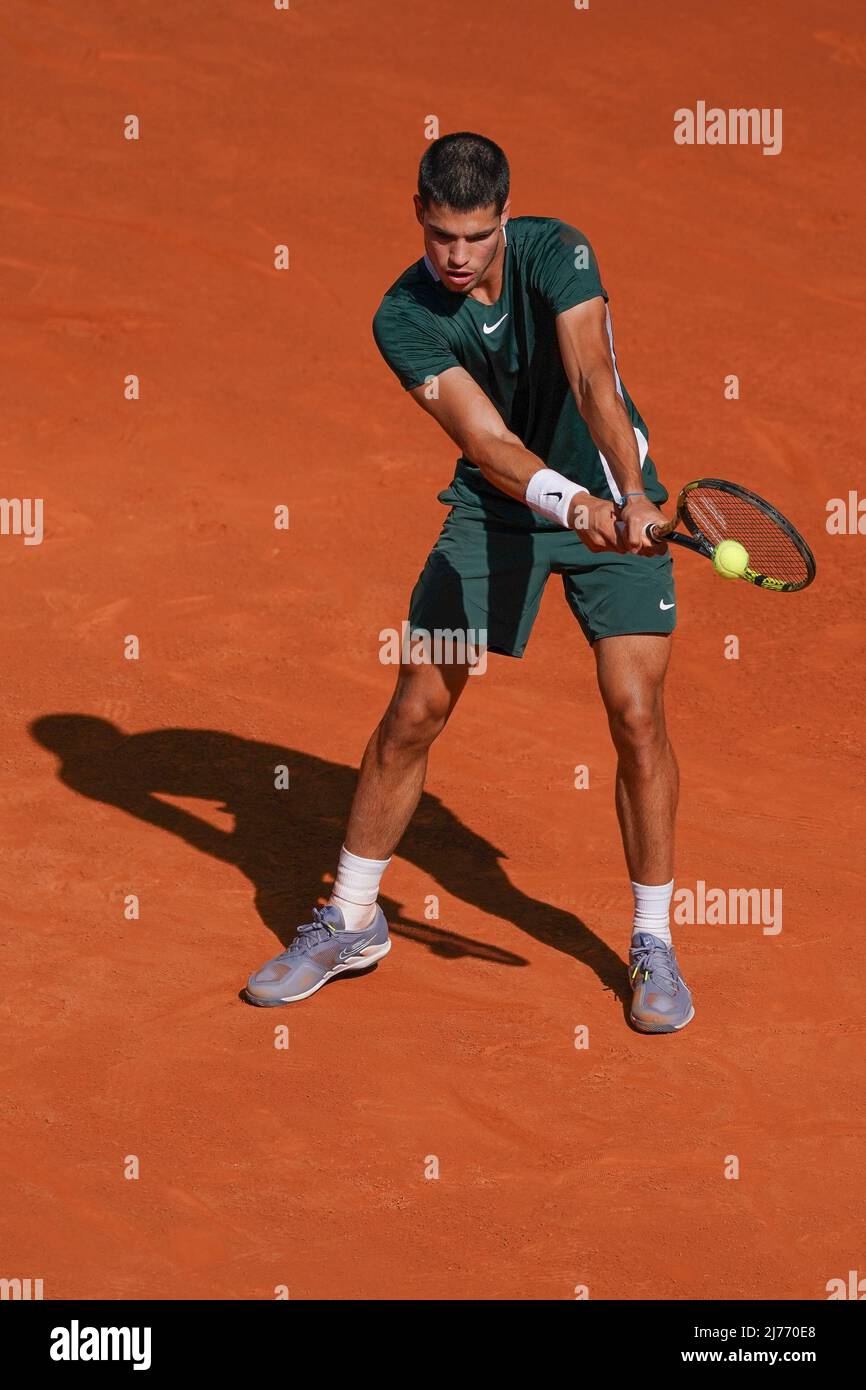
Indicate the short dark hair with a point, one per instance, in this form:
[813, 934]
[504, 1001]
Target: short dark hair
[464, 172]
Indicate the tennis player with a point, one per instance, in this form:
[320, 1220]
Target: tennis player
[502, 332]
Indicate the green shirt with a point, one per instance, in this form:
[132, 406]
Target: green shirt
[511, 350]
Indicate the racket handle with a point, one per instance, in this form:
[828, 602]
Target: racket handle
[660, 533]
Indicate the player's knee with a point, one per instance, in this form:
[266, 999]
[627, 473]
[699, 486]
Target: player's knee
[637, 726]
[414, 722]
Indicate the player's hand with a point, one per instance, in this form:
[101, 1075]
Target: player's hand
[595, 521]
[633, 517]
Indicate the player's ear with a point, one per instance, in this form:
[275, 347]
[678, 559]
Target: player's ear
[505, 213]
[419, 208]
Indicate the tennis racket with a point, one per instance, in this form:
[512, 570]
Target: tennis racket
[713, 511]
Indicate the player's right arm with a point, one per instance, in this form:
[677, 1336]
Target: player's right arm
[469, 418]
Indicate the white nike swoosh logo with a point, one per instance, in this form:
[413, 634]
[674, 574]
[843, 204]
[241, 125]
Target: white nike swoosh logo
[491, 327]
[353, 950]
[664, 605]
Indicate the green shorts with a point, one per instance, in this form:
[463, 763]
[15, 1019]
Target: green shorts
[482, 577]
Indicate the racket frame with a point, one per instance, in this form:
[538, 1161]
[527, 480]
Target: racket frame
[700, 543]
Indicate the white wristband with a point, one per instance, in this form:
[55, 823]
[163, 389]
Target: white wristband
[551, 494]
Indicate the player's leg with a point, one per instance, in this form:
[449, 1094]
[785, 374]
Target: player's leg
[631, 671]
[626, 607]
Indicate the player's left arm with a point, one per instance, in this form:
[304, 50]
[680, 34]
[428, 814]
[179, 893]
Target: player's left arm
[586, 357]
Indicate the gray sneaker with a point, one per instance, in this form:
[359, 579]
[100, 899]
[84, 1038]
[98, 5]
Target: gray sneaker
[661, 1002]
[321, 949]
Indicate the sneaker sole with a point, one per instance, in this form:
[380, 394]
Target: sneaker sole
[355, 963]
[646, 1028]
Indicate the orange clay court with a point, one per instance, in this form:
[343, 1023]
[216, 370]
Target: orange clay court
[305, 1166]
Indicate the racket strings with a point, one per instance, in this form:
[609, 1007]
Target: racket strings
[724, 516]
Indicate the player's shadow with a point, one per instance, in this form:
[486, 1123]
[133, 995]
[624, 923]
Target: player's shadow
[282, 838]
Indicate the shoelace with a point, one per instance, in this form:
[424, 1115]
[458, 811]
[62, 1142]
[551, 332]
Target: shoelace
[311, 933]
[659, 961]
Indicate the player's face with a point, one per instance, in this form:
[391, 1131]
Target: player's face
[461, 245]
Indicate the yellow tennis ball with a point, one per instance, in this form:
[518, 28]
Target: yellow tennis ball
[731, 559]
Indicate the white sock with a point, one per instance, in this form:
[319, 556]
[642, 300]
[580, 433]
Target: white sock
[356, 888]
[652, 905]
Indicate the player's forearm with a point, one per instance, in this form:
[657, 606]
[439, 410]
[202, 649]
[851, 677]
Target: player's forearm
[505, 462]
[612, 431]
[510, 466]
